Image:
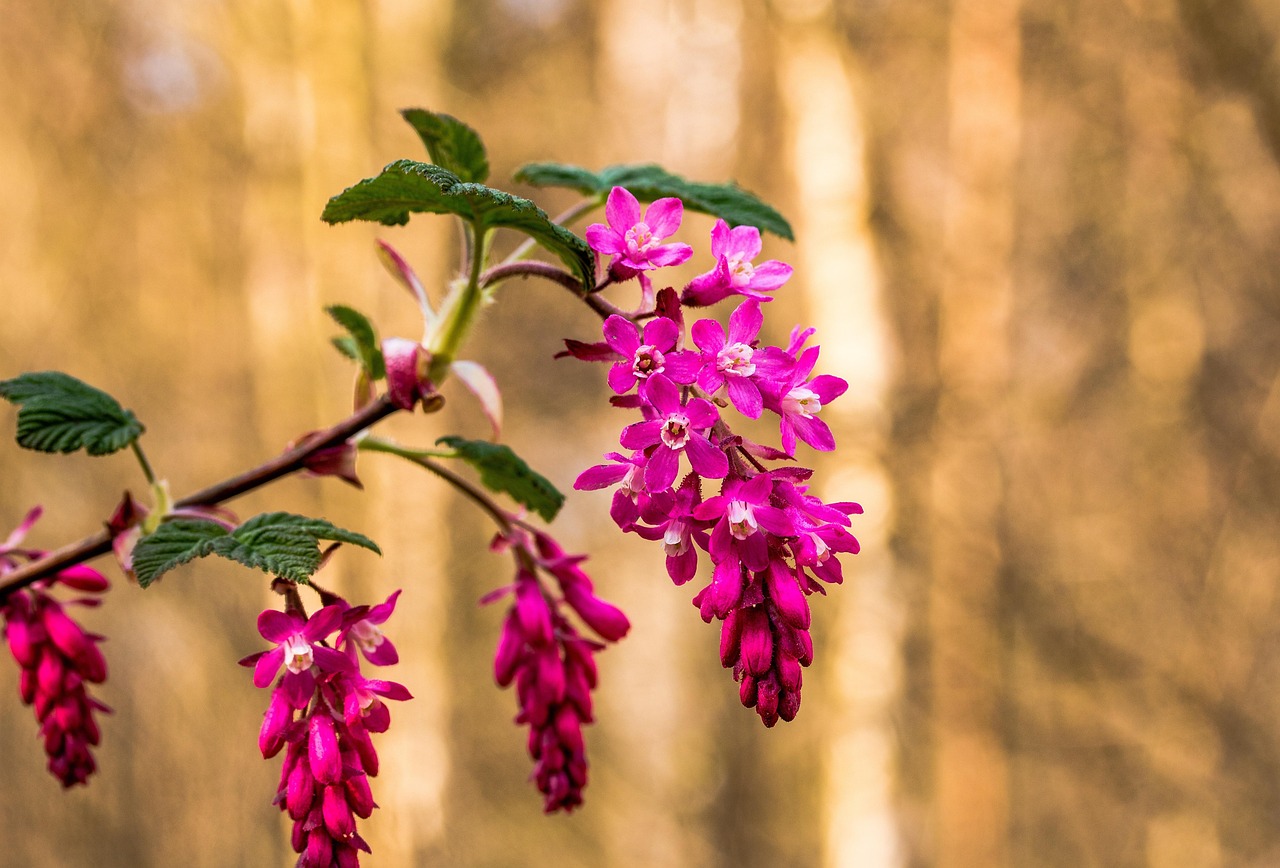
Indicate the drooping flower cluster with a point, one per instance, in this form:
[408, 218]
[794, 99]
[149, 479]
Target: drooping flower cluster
[323, 712]
[550, 662]
[57, 657]
[771, 543]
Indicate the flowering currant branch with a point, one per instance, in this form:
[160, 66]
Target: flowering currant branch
[770, 542]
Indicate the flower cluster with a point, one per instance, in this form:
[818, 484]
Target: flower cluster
[769, 539]
[323, 712]
[550, 662]
[58, 659]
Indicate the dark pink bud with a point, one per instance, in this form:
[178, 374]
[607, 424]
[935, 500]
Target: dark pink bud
[757, 641]
[301, 791]
[532, 610]
[789, 705]
[82, 578]
[767, 700]
[346, 857]
[510, 646]
[789, 672]
[298, 836]
[358, 738]
[551, 680]
[319, 852]
[49, 672]
[606, 619]
[747, 691]
[92, 665]
[359, 796]
[275, 722]
[785, 592]
[569, 730]
[326, 761]
[339, 461]
[23, 642]
[27, 684]
[338, 818]
[730, 634]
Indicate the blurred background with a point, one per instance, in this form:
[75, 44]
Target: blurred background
[1040, 239]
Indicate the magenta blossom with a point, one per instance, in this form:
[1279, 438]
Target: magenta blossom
[734, 274]
[298, 650]
[360, 630]
[643, 355]
[730, 363]
[633, 239]
[798, 401]
[678, 427]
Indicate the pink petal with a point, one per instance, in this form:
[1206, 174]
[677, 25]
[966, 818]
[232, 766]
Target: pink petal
[622, 335]
[264, 671]
[663, 394]
[744, 242]
[720, 239]
[661, 333]
[670, 254]
[604, 240]
[745, 322]
[323, 623]
[639, 435]
[403, 273]
[661, 470]
[622, 210]
[275, 626]
[621, 377]
[682, 367]
[664, 216]
[708, 336]
[814, 432]
[482, 384]
[828, 388]
[770, 275]
[745, 396]
[600, 476]
[708, 460]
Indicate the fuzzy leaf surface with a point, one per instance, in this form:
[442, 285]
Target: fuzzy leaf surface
[647, 182]
[59, 413]
[279, 543]
[452, 144]
[504, 471]
[407, 186]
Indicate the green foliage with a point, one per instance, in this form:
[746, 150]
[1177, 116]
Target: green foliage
[362, 344]
[406, 187]
[647, 182]
[62, 414]
[502, 470]
[452, 144]
[279, 543]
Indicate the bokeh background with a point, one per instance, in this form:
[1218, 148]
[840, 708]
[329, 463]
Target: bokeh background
[1040, 239]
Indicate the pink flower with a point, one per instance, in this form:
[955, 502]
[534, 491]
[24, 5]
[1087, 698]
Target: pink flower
[730, 363]
[678, 427]
[633, 239]
[360, 630]
[297, 649]
[734, 274]
[798, 401]
[642, 357]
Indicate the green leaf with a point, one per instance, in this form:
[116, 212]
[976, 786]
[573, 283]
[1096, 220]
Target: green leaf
[452, 144]
[362, 345]
[647, 182]
[406, 187]
[62, 414]
[502, 470]
[279, 543]
[173, 544]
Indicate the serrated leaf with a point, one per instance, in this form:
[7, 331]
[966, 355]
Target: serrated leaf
[363, 343]
[406, 187]
[280, 543]
[452, 144]
[647, 182]
[173, 544]
[62, 414]
[502, 470]
[284, 544]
